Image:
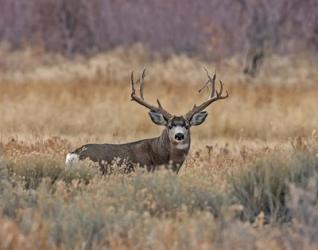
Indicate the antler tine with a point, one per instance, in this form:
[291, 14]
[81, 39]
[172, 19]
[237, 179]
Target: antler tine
[133, 91]
[142, 84]
[206, 83]
[212, 83]
[210, 80]
[215, 95]
[141, 100]
[159, 104]
[219, 93]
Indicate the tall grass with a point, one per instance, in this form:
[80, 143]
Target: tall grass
[249, 182]
[90, 97]
[161, 209]
[264, 187]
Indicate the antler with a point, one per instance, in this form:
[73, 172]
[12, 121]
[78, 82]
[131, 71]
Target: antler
[214, 96]
[141, 100]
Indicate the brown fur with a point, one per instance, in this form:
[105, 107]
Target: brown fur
[149, 153]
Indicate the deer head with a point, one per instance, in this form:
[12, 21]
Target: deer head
[178, 127]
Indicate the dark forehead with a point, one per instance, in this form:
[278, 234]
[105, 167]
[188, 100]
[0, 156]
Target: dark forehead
[178, 121]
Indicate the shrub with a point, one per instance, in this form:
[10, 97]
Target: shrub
[32, 169]
[263, 188]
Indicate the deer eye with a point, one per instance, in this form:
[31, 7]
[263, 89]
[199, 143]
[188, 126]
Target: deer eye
[170, 126]
[186, 126]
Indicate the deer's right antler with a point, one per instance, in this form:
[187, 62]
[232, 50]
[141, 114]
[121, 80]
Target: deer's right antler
[141, 100]
[214, 96]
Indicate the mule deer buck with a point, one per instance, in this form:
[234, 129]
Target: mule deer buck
[169, 149]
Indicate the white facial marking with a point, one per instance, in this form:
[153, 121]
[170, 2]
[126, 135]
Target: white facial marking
[176, 130]
[179, 129]
[182, 146]
[71, 160]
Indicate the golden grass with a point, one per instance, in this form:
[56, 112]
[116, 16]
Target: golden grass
[90, 98]
[50, 105]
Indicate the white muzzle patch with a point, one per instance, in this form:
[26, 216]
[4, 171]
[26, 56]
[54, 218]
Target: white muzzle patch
[182, 146]
[179, 144]
[179, 129]
[71, 159]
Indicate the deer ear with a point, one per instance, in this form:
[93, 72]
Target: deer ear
[157, 118]
[198, 118]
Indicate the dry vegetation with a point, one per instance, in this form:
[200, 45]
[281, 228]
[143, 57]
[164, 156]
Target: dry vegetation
[250, 181]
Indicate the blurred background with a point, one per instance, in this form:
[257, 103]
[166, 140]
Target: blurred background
[209, 29]
[65, 66]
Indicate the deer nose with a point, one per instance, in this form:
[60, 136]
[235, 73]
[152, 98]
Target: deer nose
[179, 136]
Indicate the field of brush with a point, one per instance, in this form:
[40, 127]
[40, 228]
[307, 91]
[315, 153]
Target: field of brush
[249, 182]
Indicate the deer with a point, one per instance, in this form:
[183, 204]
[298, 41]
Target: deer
[170, 149]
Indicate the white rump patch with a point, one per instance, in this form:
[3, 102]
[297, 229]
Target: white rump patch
[71, 159]
[182, 146]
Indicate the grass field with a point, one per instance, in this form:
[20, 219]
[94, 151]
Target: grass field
[250, 181]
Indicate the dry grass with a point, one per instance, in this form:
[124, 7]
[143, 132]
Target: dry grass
[233, 191]
[90, 98]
